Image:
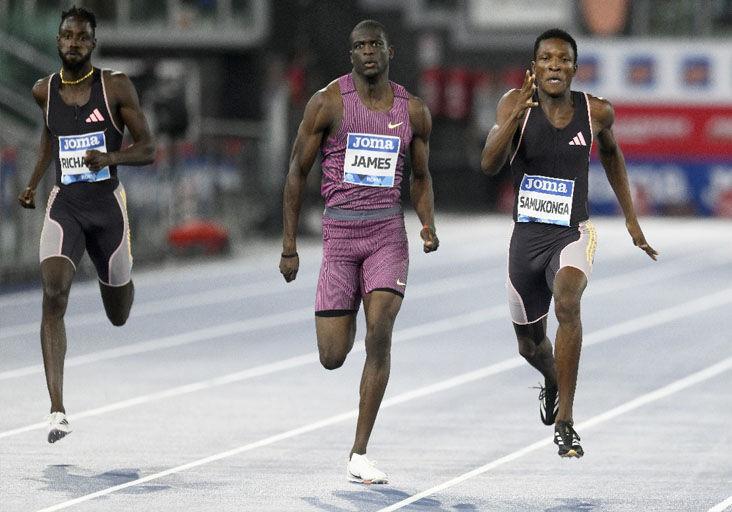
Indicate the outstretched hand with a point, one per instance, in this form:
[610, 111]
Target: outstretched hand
[289, 265]
[429, 239]
[27, 198]
[639, 239]
[525, 97]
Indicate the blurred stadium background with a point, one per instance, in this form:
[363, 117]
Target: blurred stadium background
[224, 83]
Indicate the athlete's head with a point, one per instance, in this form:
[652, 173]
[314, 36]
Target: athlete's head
[76, 37]
[370, 50]
[555, 61]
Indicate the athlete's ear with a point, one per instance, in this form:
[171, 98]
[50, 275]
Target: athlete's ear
[533, 67]
[392, 52]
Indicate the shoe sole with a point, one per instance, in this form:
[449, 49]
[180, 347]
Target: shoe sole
[572, 454]
[55, 435]
[357, 480]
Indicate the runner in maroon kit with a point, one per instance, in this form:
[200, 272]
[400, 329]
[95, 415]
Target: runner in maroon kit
[363, 125]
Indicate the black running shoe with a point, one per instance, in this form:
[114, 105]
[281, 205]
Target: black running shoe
[548, 404]
[567, 440]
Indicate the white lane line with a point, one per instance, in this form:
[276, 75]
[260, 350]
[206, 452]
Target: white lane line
[671, 314]
[241, 266]
[601, 286]
[204, 298]
[405, 397]
[417, 332]
[658, 394]
[721, 507]
[436, 287]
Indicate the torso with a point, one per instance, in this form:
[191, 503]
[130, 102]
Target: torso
[80, 119]
[363, 159]
[551, 163]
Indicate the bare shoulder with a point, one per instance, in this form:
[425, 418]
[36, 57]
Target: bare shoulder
[324, 107]
[117, 82]
[419, 115]
[40, 90]
[601, 110]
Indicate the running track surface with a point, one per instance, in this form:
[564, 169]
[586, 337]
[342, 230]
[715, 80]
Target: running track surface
[211, 398]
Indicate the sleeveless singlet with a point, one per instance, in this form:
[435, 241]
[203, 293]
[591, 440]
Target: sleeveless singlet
[76, 129]
[550, 167]
[363, 161]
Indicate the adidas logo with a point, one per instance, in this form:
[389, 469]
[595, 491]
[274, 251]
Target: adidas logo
[95, 117]
[578, 140]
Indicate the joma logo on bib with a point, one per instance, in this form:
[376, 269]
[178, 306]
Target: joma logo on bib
[548, 185]
[356, 141]
[371, 160]
[71, 153]
[81, 142]
[545, 199]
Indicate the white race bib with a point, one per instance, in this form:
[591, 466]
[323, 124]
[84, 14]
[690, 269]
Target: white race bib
[371, 160]
[543, 199]
[71, 152]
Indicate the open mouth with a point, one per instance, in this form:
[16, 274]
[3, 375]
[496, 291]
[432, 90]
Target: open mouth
[554, 81]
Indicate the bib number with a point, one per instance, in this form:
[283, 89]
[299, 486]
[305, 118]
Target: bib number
[544, 199]
[371, 160]
[71, 152]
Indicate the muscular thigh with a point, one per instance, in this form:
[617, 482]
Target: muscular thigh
[107, 234]
[62, 234]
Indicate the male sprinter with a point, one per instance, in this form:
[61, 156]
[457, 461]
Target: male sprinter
[363, 125]
[547, 130]
[85, 110]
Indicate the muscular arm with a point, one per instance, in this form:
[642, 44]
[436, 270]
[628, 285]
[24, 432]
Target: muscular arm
[320, 113]
[27, 197]
[420, 184]
[142, 150]
[613, 162]
[510, 112]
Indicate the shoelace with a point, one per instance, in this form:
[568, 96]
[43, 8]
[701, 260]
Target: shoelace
[571, 432]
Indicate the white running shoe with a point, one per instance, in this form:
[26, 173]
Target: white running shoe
[362, 470]
[58, 426]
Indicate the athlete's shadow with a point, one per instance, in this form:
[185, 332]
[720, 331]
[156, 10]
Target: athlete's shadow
[375, 497]
[575, 505]
[75, 481]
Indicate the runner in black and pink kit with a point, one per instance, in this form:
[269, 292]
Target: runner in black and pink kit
[85, 111]
[546, 131]
[363, 125]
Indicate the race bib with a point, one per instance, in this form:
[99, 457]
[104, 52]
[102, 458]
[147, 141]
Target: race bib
[371, 160]
[71, 152]
[543, 199]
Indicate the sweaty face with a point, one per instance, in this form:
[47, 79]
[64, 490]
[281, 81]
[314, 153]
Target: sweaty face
[369, 52]
[554, 66]
[75, 42]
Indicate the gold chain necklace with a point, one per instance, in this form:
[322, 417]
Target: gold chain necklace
[74, 82]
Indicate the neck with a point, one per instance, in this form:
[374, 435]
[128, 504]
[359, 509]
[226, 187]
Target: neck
[556, 101]
[74, 74]
[375, 88]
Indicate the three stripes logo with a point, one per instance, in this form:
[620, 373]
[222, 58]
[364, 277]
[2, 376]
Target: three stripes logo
[95, 117]
[578, 140]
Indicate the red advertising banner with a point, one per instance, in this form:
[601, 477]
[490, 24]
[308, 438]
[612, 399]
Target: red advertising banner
[673, 132]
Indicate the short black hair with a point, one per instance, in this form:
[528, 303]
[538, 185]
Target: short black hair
[82, 14]
[371, 24]
[556, 33]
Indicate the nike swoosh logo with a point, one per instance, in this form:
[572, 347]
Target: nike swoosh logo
[392, 126]
[400, 283]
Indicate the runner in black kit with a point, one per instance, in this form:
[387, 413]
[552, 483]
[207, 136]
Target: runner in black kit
[85, 111]
[545, 130]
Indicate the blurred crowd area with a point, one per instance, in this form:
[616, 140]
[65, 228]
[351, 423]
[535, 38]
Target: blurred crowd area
[224, 84]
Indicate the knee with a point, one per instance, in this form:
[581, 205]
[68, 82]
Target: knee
[55, 300]
[118, 320]
[332, 361]
[526, 348]
[567, 310]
